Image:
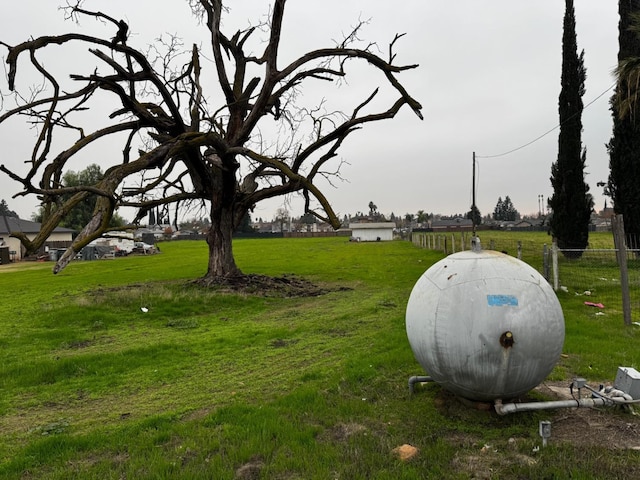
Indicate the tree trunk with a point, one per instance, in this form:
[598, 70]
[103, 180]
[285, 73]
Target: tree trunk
[221, 262]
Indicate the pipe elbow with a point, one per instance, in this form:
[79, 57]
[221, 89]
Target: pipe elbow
[418, 379]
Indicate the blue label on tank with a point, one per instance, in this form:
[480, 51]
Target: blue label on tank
[502, 301]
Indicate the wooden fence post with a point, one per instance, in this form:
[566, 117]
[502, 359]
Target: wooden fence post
[554, 265]
[617, 224]
[545, 261]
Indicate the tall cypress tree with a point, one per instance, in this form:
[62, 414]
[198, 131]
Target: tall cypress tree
[571, 201]
[624, 147]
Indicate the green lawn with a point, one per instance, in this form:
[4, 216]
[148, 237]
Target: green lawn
[215, 385]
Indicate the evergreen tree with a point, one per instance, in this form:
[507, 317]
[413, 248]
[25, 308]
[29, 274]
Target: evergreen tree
[474, 215]
[571, 201]
[308, 219]
[245, 225]
[509, 212]
[624, 146]
[498, 209]
[4, 209]
[505, 211]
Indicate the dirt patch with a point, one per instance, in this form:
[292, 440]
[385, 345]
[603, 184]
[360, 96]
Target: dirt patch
[342, 431]
[251, 470]
[611, 427]
[483, 464]
[263, 285]
[583, 428]
[78, 344]
[591, 427]
[250, 284]
[281, 343]
[596, 426]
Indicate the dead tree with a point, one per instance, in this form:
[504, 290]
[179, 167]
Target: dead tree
[176, 147]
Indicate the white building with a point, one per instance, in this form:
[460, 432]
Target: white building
[372, 232]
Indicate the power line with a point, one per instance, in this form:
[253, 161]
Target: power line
[547, 132]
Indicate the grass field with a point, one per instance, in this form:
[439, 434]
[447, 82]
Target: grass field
[215, 385]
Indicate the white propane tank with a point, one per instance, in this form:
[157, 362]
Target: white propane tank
[485, 325]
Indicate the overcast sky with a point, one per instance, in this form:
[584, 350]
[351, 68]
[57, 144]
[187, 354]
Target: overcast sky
[488, 80]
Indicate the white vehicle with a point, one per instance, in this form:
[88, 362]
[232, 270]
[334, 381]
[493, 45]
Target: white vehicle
[142, 247]
[122, 242]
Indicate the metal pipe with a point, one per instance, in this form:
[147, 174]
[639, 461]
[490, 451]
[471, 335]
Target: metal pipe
[619, 397]
[418, 379]
[613, 393]
[525, 407]
[476, 246]
[605, 397]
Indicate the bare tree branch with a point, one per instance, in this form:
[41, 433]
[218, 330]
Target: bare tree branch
[176, 147]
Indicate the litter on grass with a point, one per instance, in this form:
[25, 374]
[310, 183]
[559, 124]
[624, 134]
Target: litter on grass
[591, 304]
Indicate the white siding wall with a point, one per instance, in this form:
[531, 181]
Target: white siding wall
[372, 234]
[14, 246]
[59, 237]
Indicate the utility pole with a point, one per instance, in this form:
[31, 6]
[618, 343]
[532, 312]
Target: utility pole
[473, 195]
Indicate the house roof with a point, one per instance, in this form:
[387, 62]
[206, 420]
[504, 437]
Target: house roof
[523, 223]
[24, 226]
[457, 221]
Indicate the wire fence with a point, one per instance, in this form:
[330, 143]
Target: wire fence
[596, 276]
[529, 251]
[604, 278]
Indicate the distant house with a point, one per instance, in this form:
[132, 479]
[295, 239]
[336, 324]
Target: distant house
[452, 224]
[59, 238]
[183, 235]
[372, 232]
[151, 233]
[525, 225]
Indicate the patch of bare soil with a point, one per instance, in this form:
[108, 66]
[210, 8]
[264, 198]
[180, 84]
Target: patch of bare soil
[343, 431]
[263, 285]
[251, 470]
[609, 427]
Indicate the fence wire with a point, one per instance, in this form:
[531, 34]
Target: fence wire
[452, 242]
[593, 274]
